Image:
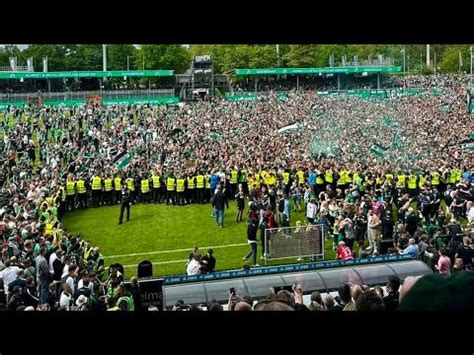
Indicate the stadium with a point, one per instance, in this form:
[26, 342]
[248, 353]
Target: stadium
[232, 177]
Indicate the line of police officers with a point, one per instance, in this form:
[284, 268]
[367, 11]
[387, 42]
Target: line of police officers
[180, 189]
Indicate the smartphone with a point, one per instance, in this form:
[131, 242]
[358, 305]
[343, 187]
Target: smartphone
[232, 290]
[280, 288]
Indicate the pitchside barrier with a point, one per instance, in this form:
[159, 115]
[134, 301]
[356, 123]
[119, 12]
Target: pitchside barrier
[294, 242]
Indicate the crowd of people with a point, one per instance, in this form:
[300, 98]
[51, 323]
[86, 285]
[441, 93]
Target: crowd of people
[428, 293]
[351, 165]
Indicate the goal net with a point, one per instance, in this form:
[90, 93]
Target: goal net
[294, 242]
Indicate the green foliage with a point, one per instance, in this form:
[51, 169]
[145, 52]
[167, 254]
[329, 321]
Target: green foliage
[7, 52]
[56, 56]
[163, 56]
[117, 55]
[227, 57]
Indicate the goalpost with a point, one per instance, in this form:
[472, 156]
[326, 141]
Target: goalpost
[294, 242]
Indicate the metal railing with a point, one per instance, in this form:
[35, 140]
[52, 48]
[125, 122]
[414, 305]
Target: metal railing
[18, 68]
[82, 95]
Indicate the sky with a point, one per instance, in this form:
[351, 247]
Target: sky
[21, 46]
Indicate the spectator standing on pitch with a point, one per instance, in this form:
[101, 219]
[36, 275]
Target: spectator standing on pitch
[126, 202]
[252, 229]
[219, 202]
[343, 252]
[194, 266]
[209, 262]
[311, 210]
[240, 198]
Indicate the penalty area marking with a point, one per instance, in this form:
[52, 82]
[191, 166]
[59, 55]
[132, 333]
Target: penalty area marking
[174, 251]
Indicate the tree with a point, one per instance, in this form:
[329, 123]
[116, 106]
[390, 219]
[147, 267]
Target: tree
[7, 52]
[229, 57]
[300, 56]
[56, 56]
[119, 55]
[163, 57]
[449, 62]
[83, 57]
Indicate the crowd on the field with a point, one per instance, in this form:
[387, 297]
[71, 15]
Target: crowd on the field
[350, 164]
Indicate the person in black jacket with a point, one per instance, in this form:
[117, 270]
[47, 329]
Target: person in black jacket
[58, 265]
[219, 201]
[252, 240]
[412, 221]
[126, 201]
[136, 294]
[209, 262]
[387, 232]
[392, 300]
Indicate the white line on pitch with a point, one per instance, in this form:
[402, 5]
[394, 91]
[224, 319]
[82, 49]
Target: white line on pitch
[175, 250]
[159, 263]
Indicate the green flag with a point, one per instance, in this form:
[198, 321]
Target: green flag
[445, 108]
[215, 135]
[122, 160]
[289, 128]
[378, 150]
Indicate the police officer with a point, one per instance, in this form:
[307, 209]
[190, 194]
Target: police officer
[70, 193]
[145, 189]
[117, 189]
[180, 188]
[126, 202]
[200, 187]
[156, 183]
[108, 191]
[96, 182]
[170, 189]
[81, 191]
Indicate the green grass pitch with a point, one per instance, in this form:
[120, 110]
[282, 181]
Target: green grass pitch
[165, 235]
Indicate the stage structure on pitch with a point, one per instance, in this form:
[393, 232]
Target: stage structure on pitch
[294, 242]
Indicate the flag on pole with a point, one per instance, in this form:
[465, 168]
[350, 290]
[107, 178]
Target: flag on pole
[289, 128]
[467, 144]
[445, 108]
[378, 150]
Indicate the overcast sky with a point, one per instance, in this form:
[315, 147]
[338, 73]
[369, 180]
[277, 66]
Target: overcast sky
[21, 46]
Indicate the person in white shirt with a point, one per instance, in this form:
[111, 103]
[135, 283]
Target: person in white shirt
[311, 210]
[85, 281]
[52, 258]
[194, 266]
[66, 295]
[9, 274]
[71, 280]
[67, 262]
[470, 212]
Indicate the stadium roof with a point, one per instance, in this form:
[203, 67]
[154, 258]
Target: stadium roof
[328, 70]
[85, 74]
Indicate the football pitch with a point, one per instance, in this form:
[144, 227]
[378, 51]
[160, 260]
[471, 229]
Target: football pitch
[165, 235]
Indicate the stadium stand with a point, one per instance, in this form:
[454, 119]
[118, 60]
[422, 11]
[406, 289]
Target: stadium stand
[361, 158]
